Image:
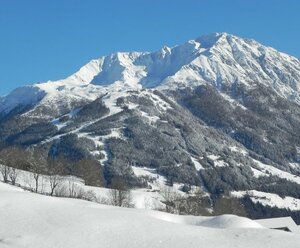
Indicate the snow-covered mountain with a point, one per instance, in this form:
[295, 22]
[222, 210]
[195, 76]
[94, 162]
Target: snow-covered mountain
[219, 59]
[219, 111]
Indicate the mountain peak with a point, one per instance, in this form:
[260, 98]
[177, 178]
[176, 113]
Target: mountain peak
[209, 40]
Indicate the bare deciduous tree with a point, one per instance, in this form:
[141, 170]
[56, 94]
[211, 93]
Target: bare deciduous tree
[171, 199]
[12, 159]
[13, 175]
[196, 203]
[37, 165]
[90, 171]
[5, 172]
[75, 191]
[119, 194]
[3, 167]
[55, 170]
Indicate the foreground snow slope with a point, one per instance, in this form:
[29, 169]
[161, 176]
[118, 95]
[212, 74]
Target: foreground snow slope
[30, 220]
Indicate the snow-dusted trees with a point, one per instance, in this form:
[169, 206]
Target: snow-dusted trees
[119, 194]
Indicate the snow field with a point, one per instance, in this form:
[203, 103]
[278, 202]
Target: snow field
[31, 220]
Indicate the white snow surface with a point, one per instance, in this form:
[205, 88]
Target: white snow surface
[266, 169]
[31, 220]
[217, 161]
[197, 164]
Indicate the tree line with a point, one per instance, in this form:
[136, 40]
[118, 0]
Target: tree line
[60, 174]
[59, 170]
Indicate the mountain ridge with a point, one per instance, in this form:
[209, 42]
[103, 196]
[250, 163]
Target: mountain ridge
[188, 65]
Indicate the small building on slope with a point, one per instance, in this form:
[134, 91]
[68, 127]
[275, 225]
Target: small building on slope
[282, 223]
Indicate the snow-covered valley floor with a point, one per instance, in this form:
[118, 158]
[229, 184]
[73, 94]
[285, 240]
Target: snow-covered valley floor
[35, 221]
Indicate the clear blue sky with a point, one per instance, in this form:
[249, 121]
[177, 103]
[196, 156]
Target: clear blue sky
[50, 39]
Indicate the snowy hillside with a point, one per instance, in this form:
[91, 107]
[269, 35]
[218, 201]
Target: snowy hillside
[31, 220]
[219, 112]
